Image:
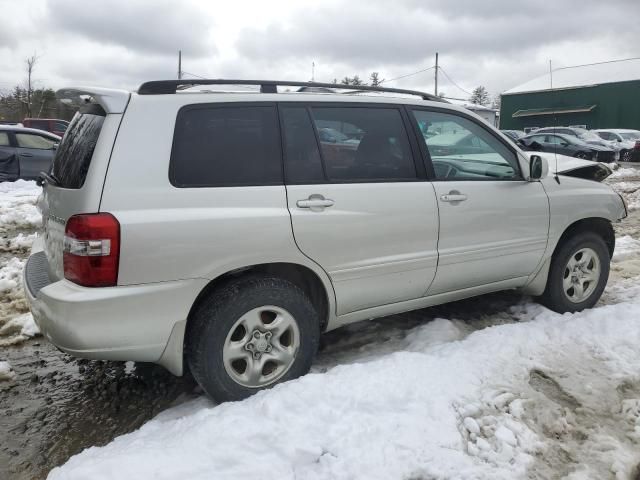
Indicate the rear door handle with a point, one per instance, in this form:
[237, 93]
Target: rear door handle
[26, 154]
[315, 202]
[453, 196]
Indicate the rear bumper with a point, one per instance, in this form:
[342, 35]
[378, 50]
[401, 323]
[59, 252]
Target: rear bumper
[116, 323]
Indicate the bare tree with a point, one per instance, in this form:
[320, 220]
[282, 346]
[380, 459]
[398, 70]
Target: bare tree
[31, 62]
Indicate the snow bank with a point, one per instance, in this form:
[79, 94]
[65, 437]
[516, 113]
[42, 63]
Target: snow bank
[624, 172]
[626, 247]
[492, 405]
[6, 372]
[18, 329]
[18, 204]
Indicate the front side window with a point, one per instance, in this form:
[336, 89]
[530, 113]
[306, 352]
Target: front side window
[461, 149]
[29, 140]
[226, 146]
[360, 144]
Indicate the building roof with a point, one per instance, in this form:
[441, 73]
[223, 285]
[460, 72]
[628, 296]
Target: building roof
[583, 75]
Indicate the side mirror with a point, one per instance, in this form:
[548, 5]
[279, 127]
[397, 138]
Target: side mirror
[564, 144]
[538, 167]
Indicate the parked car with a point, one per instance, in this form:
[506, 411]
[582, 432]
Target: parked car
[514, 134]
[583, 134]
[52, 125]
[11, 123]
[567, 145]
[629, 140]
[210, 231]
[25, 152]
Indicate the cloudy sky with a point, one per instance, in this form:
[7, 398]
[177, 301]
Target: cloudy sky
[496, 43]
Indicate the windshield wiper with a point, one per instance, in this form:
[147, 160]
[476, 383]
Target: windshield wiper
[50, 178]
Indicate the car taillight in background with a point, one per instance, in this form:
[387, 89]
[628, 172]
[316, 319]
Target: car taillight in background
[92, 250]
[637, 145]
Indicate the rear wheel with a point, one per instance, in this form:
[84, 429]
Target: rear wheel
[578, 274]
[251, 334]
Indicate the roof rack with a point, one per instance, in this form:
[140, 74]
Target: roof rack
[165, 87]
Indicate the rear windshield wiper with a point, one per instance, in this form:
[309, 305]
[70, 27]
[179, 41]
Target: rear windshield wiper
[49, 178]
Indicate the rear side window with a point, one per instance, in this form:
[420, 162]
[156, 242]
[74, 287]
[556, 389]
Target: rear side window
[216, 146]
[4, 139]
[29, 140]
[303, 164]
[73, 157]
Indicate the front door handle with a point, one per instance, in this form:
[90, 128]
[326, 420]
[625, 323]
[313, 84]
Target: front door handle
[26, 154]
[315, 202]
[454, 197]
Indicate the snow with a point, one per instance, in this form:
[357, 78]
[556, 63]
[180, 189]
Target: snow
[6, 372]
[583, 75]
[624, 172]
[18, 204]
[446, 408]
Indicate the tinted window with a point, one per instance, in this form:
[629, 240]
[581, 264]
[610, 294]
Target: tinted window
[29, 140]
[73, 157]
[462, 149]
[4, 139]
[39, 124]
[363, 144]
[302, 156]
[226, 146]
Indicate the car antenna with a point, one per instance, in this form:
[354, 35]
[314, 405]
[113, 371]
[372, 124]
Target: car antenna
[555, 122]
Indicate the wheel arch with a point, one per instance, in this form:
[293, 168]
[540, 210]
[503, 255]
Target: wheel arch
[300, 275]
[599, 225]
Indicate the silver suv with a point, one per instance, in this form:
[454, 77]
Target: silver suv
[222, 231]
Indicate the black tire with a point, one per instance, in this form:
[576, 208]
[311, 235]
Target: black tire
[554, 296]
[216, 315]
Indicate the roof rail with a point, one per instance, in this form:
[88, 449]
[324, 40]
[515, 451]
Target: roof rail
[164, 87]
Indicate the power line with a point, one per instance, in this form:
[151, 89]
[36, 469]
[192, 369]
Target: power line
[409, 74]
[454, 83]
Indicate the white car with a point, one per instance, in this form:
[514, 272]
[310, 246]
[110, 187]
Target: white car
[627, 139]
[218, 231]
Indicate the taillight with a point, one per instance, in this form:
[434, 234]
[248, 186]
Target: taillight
[92, 250]
[637, 145]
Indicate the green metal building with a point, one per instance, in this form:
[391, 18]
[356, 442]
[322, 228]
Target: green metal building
[599, 95]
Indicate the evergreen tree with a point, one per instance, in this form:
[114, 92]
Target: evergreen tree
[480, 96]
[375, 79]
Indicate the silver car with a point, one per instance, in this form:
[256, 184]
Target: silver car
[218, 231]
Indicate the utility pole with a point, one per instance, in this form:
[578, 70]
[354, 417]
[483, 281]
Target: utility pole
[179, 64]
[313, 71]
[436, 75]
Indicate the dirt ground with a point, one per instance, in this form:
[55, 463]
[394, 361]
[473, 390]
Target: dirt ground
[57, 405]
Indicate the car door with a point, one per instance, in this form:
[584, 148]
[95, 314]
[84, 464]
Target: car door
[35, 153]
[493, 223]
[9, 165]
[361, 208]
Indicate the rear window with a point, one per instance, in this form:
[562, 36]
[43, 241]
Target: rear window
[226, 146]
[72, 160]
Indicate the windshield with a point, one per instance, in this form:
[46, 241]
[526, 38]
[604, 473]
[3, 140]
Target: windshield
[587, 135]
[73, 157]
[630, 135]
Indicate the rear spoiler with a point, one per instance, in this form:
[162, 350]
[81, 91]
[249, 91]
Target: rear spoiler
[111, 100]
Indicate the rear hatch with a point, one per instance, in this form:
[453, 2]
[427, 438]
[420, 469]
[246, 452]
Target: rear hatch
[74, 184]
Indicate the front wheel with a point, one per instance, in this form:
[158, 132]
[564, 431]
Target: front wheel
[251, 334]
[578, 274]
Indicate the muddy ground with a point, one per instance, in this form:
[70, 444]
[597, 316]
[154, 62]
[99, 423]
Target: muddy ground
[57, 406]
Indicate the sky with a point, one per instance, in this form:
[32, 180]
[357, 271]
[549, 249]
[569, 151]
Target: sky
[499, 44]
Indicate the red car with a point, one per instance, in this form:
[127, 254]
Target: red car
[53, 125]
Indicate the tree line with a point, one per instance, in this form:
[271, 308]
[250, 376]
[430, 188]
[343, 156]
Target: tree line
[30, 102]
[480, 95]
